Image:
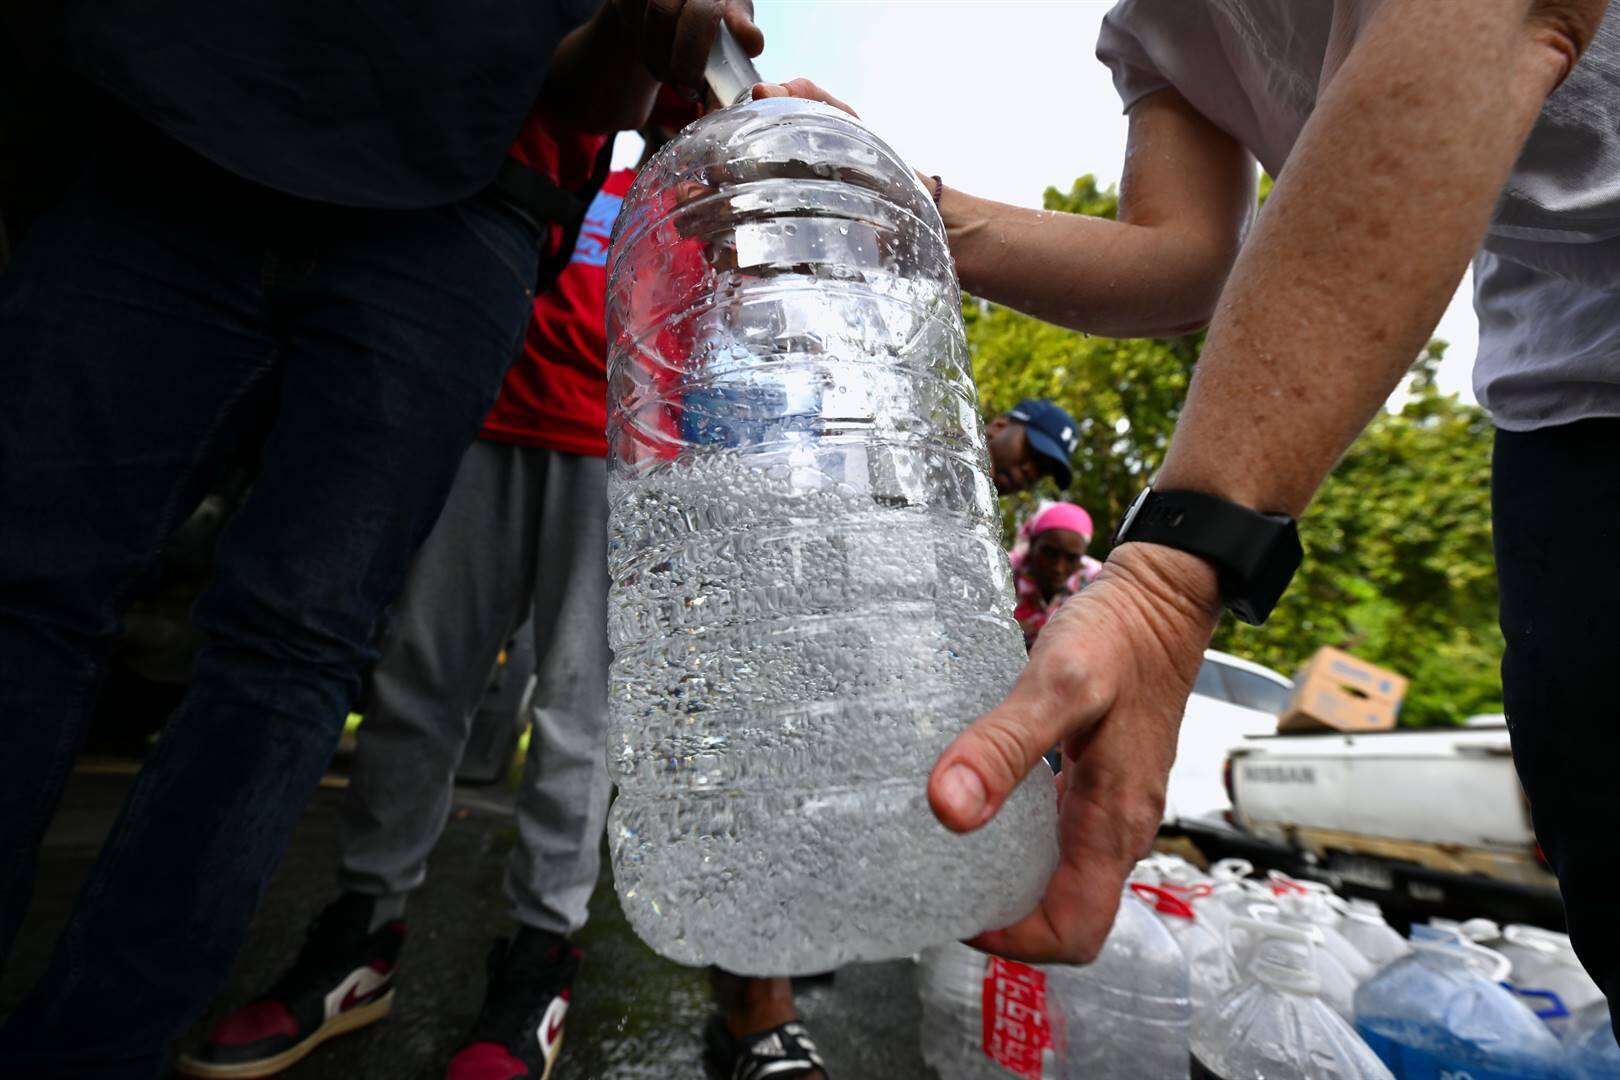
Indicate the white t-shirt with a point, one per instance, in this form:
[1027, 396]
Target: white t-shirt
[1547, 278]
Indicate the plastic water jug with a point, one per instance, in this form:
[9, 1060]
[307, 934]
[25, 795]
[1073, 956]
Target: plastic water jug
[809, 594]
[1443, 1012]
[1547, 975]
[1209, 964]
[1125, 1016]
[1365, 929]
[1593, 1052]
[984, 1018]
[1311, 909]
[1334, 984]
[1122, 1017]
[1273, 1026]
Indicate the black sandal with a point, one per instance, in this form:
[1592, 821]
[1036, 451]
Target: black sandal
[785, 1052]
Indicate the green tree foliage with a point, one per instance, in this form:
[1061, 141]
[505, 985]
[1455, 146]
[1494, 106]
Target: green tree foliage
[1398, 547]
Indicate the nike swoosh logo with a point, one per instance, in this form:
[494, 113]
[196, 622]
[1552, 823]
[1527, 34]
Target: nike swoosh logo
[551, 1025]
[360, 984]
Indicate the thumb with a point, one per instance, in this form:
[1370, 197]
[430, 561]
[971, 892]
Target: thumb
[980, 768]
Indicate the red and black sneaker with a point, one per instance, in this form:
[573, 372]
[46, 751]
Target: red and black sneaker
[343, 979]
[520, 1028]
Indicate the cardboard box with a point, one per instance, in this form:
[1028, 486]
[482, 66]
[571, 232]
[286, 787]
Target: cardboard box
[1335, 691]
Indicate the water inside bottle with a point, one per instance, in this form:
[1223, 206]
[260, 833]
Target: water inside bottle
[809, 592]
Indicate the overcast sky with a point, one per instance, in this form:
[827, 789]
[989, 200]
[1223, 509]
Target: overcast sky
[999, 97]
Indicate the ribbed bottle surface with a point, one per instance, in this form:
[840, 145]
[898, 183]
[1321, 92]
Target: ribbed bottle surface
[809, 594]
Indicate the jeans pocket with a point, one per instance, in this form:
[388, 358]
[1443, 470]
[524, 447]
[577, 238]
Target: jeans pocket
[505, 233]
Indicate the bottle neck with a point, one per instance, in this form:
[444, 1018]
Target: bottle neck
[1287, 977]
[1280, 957]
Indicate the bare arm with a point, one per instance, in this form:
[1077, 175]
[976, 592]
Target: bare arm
[1186, 199]
[1364, 239]
[1185, 202]
[1384, 199]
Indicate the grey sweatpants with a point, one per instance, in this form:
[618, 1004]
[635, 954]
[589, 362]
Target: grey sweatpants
[524, 530]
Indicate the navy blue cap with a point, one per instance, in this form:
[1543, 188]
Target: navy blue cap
[1053, 435]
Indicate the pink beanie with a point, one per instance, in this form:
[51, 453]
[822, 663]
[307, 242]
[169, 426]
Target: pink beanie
[1061, 515]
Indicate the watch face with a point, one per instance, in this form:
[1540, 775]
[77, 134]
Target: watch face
[1130, 515]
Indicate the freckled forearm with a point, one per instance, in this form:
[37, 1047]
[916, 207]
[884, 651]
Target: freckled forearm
[1383, 202]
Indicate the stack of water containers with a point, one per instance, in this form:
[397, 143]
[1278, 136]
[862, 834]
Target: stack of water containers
[1303, 984]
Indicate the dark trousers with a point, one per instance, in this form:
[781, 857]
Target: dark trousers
[1557, 524]
[162, 312]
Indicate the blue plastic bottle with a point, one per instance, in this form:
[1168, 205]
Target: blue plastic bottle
[1443, 1012]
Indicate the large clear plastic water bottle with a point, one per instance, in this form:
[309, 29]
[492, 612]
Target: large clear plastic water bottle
[1211, 895]
[1273, 1026]
[1364, 927]
[984, 1018]
[1312, 910]
[1208, 961]
[1443, 1012]
[1334, 984]
[809, 592]
[1122, 1017]
[1125, 1015]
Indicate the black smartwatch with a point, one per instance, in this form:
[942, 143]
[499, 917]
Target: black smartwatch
[1254, 554]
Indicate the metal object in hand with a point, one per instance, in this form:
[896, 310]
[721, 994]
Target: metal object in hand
[730, 74]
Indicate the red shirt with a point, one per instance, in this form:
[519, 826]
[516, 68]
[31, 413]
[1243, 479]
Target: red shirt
[555, 393]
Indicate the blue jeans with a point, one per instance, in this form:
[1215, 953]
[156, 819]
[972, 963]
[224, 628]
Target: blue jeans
[163, 313]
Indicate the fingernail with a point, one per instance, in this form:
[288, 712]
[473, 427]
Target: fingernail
[963, 792]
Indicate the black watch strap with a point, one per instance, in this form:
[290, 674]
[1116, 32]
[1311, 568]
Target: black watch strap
[1254, 554]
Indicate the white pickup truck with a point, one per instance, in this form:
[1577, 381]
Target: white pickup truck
[1429, 822]
[1232, 701]
[1430, 819]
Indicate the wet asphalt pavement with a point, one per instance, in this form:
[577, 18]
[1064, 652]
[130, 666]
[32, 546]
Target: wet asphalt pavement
[633, 1016]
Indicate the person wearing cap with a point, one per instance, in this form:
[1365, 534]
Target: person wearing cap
[1034, 438]
[1048, 563]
